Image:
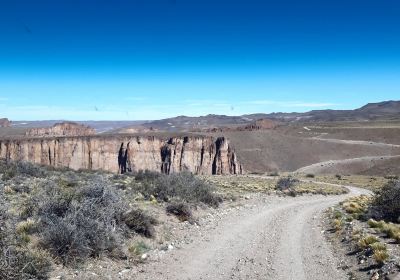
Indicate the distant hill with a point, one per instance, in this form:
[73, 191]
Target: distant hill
[387, 110]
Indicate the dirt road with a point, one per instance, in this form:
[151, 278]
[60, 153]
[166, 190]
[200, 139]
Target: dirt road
[343, 166]
[271, 238]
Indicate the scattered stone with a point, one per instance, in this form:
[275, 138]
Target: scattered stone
[375, 276]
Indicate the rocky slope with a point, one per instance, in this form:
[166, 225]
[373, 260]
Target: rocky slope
[200, 155]
[62, 129]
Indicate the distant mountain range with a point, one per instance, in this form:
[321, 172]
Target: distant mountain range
[387, 110]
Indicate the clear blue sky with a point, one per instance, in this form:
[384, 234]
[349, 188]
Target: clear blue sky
[147, 59]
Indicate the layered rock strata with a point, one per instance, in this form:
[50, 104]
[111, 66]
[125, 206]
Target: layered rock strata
[197, 154]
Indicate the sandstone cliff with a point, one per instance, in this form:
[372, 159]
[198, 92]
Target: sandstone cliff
[200, 155]
[62, 129]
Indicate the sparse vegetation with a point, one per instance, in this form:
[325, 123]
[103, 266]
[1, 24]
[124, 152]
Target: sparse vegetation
[66, 217]
[380, 256]
[139, 248]
[286, 183]
[181, 186]
[180, 210]
[385, 205]
[140, 222]
[337, 224]
[367, 241]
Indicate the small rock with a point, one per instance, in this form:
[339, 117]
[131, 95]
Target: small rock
[144, 257]
[124, 271]
[375, 276]
[170, 247]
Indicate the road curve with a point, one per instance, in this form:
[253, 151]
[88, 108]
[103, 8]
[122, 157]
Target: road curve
[276, 238]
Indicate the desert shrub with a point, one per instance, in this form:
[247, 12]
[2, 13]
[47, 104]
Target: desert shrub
[378, 246]
[20, 263]
[147, 175]
[380, 256]
[310, 176]
[26, 227]
[86, 229]
[286, 183]
[12, 169]
[385, 205]
[367, 241]
[337, 225]
[392, 177]
[274, 174]
[80, 224]
[16, 261]
[391, 230]
[138, 248]
[187, 187]
[140, 222]
[182, 186]
[376, 224]
[180, 210]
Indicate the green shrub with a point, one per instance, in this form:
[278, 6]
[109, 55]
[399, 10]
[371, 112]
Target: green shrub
[385, 205]
[138, 248]
[380, 256]
[365, 242]
[378, 246]
[375, 224]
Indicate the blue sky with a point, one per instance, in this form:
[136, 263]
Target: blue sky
[148, 59]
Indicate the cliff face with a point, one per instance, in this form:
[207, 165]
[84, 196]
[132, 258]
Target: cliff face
[200, 155]
[62, 129]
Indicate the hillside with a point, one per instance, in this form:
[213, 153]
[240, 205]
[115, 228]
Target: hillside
[387, 110]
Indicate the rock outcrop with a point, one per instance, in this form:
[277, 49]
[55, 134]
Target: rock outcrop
[4, 122]
[198, 154]
[62, 129]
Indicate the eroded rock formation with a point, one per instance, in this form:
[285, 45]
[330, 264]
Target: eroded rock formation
[200, 155]
[4, 122]
[62, 129]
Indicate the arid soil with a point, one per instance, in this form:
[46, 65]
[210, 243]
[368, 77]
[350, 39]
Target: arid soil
[378, 165]
[266, 151]
[269, 237]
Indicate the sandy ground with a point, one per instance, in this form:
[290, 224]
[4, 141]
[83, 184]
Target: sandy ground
[347, 166]
[269, 238]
